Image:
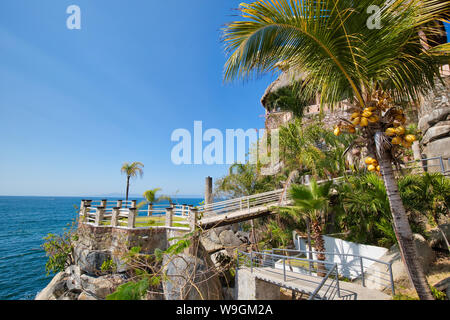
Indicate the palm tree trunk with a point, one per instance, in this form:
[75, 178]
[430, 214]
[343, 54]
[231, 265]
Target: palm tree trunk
[128, 188]
[403, 230]
[319, 245]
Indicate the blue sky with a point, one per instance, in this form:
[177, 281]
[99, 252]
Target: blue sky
[76, 104]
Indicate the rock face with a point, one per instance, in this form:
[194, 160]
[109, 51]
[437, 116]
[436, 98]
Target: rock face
[73, 284]
[55, 288]
[85, 281]
[434, 122]
[184, 270]
[372, 277]
[224, 240]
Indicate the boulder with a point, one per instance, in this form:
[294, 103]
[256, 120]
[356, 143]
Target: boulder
[90, 261]
[443, 284]
[372, 277]
[435, 133]
[243, 236]
[55, 288]
[70, 295]
[74, 273]
[86, 296]
[229, 239]
[221, 258]
[191, 276]
[433, 117]
[102, 286]
[440, 147]
[436, 239]
[425, 254]
[210, 246]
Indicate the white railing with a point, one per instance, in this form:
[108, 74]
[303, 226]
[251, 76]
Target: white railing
[106, 213]
[241, 204]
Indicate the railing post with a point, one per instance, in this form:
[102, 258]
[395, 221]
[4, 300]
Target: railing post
[392, 279]
[99, 215]
[169, 217]
[115, 216]
[119, 203]
[208, 191]
[441, 161]
[103, 203]
[87, 207]
[189, 208]
[193, 217]
[284, 269]
[83, 203]
[131, 218]
[362, 271]
[133, 204]
[183, 209]
[337, 281]
[150, 210]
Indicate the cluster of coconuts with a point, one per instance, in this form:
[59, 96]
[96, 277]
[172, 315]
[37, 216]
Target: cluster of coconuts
[372, 164]
[398, 132]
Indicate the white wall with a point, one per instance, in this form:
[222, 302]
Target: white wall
[348, 266]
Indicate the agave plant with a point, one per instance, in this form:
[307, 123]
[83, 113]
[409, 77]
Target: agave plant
[342, 57]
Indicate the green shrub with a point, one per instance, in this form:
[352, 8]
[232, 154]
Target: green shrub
[59, 249]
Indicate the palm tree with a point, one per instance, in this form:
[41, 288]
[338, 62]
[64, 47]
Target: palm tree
[311, 202]
[131, 170]
[242, 180]
[150, 198]
[376, 69]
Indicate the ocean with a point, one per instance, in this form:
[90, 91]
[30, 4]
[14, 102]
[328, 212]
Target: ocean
[25, 222]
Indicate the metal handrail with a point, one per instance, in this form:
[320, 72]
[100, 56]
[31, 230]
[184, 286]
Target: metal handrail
[359, 258]
[335, 269]
[253, 257]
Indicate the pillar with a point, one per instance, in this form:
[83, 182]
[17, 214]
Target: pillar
[103, 203]
[115, 217]
[169, 217]
[133, 203]
[131, 218]
[99, 216]
[193, 218]
[119, 203]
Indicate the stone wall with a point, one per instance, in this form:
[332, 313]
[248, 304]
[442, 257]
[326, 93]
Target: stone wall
[98, 244]
[434, 122]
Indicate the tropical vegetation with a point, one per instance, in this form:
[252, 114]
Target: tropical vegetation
[311, 203]
[378, 70]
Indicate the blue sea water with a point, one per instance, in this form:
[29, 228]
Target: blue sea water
[25, 221]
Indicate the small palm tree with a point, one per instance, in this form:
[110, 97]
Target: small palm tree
[131, 170]
[150, 198]
[311, 202]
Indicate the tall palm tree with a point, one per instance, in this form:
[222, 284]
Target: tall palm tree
[131, 170]
[311, 203]
[343, 57]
